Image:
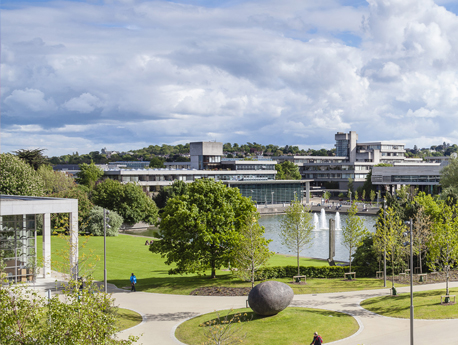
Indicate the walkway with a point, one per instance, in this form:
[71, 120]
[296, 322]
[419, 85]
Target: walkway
[162, 313]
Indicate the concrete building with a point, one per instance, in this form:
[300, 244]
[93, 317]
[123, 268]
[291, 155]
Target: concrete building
[353, 160]
[205, 154]
[18, 235]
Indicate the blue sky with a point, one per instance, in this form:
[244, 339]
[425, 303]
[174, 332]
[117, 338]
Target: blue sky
[124, 74]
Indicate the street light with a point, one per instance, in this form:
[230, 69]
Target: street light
[105, 225]
[349, 192]
[384, 241]
[411, 276]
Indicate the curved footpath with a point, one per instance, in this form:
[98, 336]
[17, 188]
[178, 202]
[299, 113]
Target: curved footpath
[162, 313]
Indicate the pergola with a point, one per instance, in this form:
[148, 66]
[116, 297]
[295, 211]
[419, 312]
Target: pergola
[18, 229]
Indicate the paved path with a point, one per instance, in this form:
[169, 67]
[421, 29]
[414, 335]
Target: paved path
[162, 313]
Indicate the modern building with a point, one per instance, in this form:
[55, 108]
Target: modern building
[18, 234]
[353, 160]
[205, 155]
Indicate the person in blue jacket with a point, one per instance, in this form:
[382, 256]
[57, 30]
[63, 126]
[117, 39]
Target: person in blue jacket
[133, 281]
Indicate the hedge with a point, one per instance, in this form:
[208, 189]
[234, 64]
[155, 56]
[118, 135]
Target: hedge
[274, 272]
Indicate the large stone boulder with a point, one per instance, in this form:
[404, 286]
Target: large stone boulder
[270, 298]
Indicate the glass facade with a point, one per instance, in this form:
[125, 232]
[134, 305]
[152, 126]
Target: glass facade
[277, 193]
[342, 148]
[18, 247]
[414, 178]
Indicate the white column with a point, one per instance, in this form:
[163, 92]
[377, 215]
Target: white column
[73, 222]
[46, 245]
[307, 192]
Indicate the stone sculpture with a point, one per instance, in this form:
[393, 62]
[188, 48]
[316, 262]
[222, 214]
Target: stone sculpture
[270, 298]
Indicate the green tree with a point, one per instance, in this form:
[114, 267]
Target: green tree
[128, 200]
[252, 251]
[350, 185]
[200, 229]
[73, 317]
[55, 181]
[443, 246]
[449, 174]
[18, 178]
[372, 196]
[89, 174]
[421, 235]
[34, 157]
[296, 228]
[353, 232]
[287, 171]
[156, 162]
[95, 222]
[167, 192]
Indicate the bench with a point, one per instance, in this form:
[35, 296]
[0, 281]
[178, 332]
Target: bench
[379, 274]
[402, 274]
[407, 271]
[447, 298]
[435, 273]
[349, 275]
[424, 275]
[298, 279]
[416, 270]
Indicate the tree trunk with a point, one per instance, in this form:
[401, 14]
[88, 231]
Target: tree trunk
[446, 279]
[252, 274]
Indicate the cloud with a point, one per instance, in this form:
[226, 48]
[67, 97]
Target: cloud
[282, 72]
[86, 103]
[30, 99]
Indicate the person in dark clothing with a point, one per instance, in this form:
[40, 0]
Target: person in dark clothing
[133, 281]
[317, 340]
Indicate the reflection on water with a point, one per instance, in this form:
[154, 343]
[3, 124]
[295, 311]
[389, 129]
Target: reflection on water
[319, 247]
[150, 232]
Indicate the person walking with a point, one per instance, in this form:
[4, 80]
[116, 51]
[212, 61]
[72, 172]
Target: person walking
[317, 340]
[133, 281]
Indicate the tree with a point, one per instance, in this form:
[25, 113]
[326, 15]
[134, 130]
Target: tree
[296, 228]
[177, 188]
[252, 251]
[443, 246]
[33, 157]
[287, 171]
[82, 316]
[95, 222]
[89, 174]
[449, 174]
[200, 229]
[372, 196]
[353, 232]
[156, 162]
[60, 221]
[128, 200]
[350, 185]
[421, 234]
[18, 178]
[55, 181]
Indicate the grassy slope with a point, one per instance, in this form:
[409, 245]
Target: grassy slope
[293, 326]
[127, 318]
[427, 305]
[128, 254]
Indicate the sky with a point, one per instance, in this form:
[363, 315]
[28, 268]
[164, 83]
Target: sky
[77, 76]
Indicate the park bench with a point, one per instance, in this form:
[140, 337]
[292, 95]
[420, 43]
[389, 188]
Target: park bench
[407, 271]
[447, 298]
[435, 273]
[350, 275]
[379, 274]
[424, 275]
[298, 279]
[403, 275]
[416, 270]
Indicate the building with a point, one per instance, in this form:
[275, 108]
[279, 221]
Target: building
[205, 155]
[353, 160]
[18, 234]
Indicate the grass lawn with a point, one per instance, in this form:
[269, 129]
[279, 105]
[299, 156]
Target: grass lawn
[127, 254]
[426, 305]
[127, 318]
[292, 326]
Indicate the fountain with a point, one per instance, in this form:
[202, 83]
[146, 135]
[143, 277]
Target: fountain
[338, 226]
[316, 222]
[323, 219]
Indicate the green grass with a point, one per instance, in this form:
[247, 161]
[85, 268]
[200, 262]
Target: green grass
[128, 254]
[127, 318]
[426, 305]
[292, 326]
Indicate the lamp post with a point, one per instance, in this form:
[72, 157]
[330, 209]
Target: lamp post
[105, 225]
[273, 198]
[411, 276]
[349, 192]
[294, 194]
[384, 241]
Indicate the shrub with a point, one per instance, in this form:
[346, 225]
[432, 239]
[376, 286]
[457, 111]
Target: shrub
[274, 272]
[95, 223]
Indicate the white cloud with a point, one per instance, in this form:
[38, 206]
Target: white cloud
[85, 103]
[267, 71]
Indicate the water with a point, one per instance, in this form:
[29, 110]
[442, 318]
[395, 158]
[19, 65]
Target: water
[319, 247]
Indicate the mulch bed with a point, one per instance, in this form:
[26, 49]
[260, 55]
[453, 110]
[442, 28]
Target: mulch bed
[220, 291]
